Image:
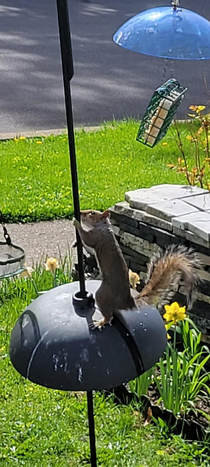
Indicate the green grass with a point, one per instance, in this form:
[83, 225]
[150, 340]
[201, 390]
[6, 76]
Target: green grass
[45, 428]
[35, 177]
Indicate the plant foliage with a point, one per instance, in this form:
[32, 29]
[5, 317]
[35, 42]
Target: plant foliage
[194, 162]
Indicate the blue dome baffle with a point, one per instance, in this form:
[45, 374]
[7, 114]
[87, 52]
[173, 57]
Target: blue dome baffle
[168, 33]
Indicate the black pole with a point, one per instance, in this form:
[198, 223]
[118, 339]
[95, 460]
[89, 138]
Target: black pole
[68, 72]
[91, 429]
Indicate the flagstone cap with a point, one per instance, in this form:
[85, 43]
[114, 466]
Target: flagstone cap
[185, 207]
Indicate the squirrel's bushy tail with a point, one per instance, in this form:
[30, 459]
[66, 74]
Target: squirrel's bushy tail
[165, 271]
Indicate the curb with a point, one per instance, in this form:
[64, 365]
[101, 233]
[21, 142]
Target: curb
[44, 133]
[57, 131]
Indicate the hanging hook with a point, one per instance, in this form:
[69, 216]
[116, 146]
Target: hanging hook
[6, 235]
[175, 4]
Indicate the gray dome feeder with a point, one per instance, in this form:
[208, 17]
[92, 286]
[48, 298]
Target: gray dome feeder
[52, 343]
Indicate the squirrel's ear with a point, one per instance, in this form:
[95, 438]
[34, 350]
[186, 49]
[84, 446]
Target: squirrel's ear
[105, 214]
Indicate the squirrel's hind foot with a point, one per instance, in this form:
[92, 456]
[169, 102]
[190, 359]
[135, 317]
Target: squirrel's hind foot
[99, 324]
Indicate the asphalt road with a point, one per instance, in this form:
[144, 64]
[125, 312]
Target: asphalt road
[109, 82]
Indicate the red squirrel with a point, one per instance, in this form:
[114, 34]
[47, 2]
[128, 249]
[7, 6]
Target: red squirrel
[164, 272]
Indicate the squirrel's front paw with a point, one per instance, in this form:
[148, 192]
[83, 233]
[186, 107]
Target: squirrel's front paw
[76, 222]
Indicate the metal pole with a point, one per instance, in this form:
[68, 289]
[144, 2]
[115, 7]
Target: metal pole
[91, 429]
[68, 72]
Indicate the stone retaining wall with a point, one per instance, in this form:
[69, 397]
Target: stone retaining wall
[160, 216]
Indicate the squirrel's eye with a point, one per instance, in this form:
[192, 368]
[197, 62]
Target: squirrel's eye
[93, 213]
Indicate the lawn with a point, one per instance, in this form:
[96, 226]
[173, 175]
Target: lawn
[35, 177]
[42, 427]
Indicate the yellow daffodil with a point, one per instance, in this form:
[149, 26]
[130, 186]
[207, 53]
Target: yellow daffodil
[174, 312]
[180, 161]
[22, 137]
[167, 326]
[27, 272]
[134, 279]
[193, 107]
[197, 108]
[51, 265]
[164, 144]
[195, 170]
[200, 130]
[200, 108]
[38, 142]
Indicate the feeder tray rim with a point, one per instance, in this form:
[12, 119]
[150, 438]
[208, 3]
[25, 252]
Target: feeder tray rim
[12, 260]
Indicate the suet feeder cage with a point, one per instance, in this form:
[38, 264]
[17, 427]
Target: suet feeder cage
[160, 112]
